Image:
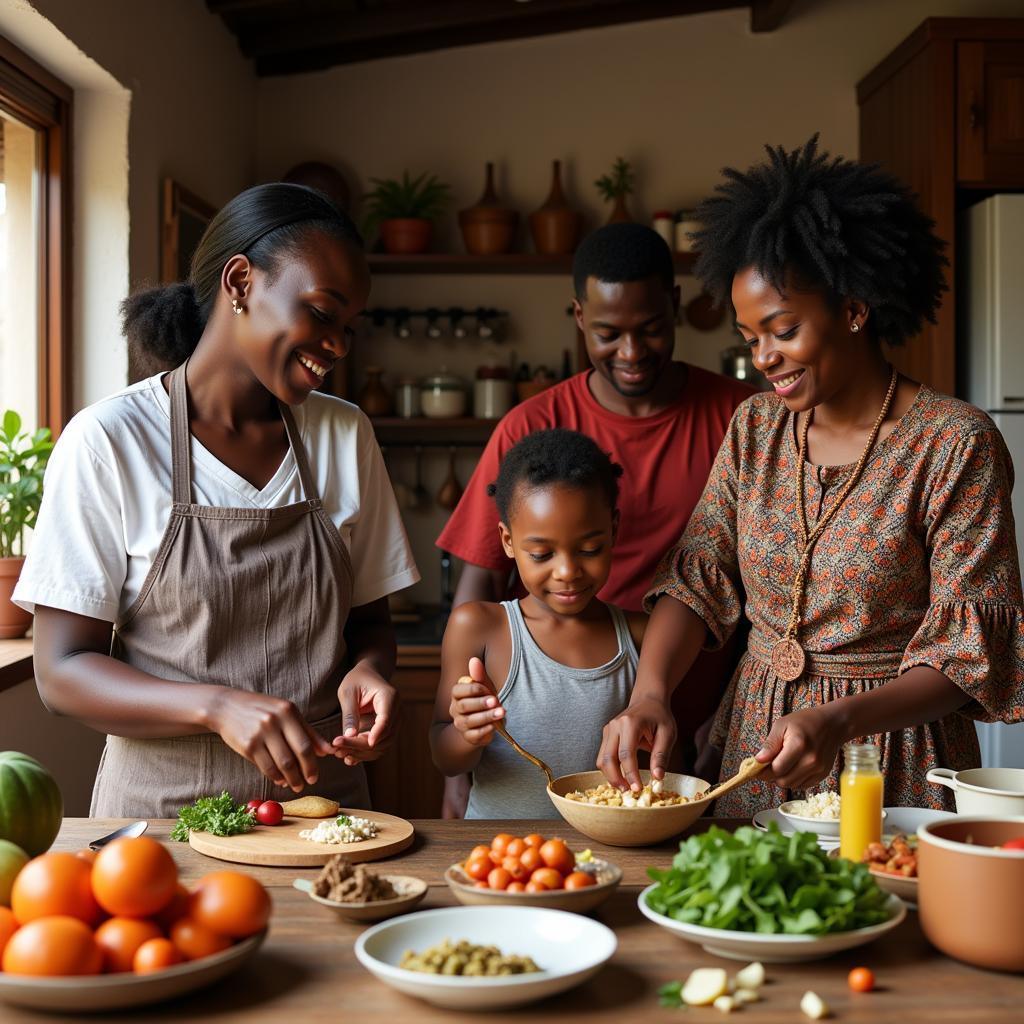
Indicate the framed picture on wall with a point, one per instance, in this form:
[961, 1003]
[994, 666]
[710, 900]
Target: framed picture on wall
[183, 217]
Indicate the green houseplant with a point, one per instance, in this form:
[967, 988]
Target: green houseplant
[23, 459]
[615, 186]
[404, 211]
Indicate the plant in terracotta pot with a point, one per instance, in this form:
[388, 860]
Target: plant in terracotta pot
[404, 211]
[23, 459]
[615, 186]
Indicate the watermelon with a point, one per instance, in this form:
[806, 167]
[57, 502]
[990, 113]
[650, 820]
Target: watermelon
[12, 860]
[31, 808]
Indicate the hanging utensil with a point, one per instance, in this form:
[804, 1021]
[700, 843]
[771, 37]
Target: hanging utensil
[451, 490]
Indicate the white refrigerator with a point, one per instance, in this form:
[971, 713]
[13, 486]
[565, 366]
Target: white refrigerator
[992, 346]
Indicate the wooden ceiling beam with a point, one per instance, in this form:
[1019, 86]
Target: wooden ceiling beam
[768, 15]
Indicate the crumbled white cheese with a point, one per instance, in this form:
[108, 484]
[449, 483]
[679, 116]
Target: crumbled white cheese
[345, 829]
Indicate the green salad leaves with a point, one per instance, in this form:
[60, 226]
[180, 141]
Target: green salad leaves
[754, 881]
[218, 815]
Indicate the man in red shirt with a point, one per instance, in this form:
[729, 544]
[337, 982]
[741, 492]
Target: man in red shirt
[661, 420]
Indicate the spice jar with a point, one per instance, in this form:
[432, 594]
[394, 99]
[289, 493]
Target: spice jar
[443, 396]
[664, 223]
[492, 392]
[860, 795]
[407, 397]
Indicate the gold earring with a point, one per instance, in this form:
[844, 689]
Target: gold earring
[236, 306]
[855, 327]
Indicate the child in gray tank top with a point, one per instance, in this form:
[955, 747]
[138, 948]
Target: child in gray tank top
[556, 665]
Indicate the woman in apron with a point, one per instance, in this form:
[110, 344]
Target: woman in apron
[216, 544]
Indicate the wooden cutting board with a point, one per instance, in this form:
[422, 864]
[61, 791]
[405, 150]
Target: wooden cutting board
[280, 845]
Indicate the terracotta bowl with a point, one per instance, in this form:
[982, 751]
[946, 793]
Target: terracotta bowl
[970, 894]
[627, 826]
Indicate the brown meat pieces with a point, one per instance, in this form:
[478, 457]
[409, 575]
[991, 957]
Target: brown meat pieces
[340, 882]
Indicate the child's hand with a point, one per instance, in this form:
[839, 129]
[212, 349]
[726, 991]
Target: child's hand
[474, 708]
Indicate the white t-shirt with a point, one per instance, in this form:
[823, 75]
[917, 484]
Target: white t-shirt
[107, 499]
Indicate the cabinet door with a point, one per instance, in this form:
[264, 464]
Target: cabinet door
[990, 113]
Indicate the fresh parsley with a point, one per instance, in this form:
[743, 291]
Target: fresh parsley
[343, 820]
[671, 995]
[754, 881]
[218, 815]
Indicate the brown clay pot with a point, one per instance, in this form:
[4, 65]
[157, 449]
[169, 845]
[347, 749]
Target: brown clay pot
[488, 229]
[14, 621]
[405, 236]
[375, 399]
[620, 212]
[555, 226]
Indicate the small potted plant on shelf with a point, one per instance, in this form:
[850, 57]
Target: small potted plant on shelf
[615, 186]
[23, 459]
[404, 211]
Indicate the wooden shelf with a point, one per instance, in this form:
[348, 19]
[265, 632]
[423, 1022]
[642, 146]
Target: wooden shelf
[421, 430]
[509, 263]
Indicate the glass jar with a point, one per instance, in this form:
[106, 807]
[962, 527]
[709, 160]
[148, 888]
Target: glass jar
[443, 396]
[861, 792]
[407, 397]
[492, 392]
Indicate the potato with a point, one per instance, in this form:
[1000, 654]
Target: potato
[704, 986]
[310, 807]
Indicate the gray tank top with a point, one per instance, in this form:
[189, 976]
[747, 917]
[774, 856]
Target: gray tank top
[555, 712]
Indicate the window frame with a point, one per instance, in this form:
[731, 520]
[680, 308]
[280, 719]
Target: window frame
[35, 96]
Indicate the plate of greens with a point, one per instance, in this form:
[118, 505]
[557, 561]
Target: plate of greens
[753, 895]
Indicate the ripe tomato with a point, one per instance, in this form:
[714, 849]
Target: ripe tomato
[89, 856]
[155, 955]
[548, 877]
[516, 887]
[498, 879]
[531, 859]
[1014, 844]
[579, 880]
[178, 907]
[514, 866]
[481, 885]
[479, 851]
[532, 886]
[861, 979]
[231, 903]
[515, 848]
[270, 812]
[8, 926]
[194, 940]
[120, 937]
[558, 856]
[55, 884]
[254, 805]
[534, 840]
[134, 877]
[478, 868]
[52, 946]
[499, 842]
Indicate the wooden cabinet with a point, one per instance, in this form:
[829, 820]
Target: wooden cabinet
[944, 112]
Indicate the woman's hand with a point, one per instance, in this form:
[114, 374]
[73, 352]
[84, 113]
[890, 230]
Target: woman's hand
[802, 747]
[269, 732]
[474, 708]
[368, 707]
[646, 724]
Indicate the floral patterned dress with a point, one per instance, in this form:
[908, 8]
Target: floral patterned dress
[919, 567]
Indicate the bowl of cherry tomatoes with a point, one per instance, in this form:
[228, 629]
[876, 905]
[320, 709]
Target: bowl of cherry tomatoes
[532, 871]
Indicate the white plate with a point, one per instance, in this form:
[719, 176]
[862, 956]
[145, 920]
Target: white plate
[762, 818]
[774, 949]
[567, 947]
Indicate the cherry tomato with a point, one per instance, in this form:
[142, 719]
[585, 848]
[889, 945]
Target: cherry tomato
[515, 848]
[531, 859]
[481, 885]
[514, 866]
[479, 851]
[1014, 844]
[254, 805]
[516, 887]
[534, 840]
[270, 812]
[478, 868]
[558, 856]
[548, 877]
[499, 879]
[533, 886]
[861, 979]
[499, 842]
[579, 880]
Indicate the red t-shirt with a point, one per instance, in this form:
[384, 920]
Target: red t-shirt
[665, 458]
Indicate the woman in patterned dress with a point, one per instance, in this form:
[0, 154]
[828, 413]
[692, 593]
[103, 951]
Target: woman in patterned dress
[911, 611]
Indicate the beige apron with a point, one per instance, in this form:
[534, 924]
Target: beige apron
[255, 599]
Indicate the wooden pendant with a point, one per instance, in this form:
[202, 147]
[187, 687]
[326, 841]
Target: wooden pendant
[788, 659]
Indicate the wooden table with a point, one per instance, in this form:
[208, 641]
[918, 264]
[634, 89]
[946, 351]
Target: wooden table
[307, 972]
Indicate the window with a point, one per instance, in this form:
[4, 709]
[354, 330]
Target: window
[35, 193]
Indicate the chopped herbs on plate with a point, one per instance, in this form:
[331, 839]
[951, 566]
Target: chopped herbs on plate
[754, 881]
[218, 815]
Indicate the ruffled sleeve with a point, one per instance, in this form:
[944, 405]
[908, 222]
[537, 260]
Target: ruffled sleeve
[973, 632]
[702, 569]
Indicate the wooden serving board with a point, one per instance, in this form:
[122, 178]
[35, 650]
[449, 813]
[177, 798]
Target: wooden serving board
[280, 845]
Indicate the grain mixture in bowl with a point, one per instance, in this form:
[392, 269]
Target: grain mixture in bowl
[467, 959]
[653, 794]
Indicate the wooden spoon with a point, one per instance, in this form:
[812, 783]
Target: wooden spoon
[749, 769]
[501, 730]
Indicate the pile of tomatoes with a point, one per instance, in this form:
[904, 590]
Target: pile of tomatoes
[122, 910]
[528, 864]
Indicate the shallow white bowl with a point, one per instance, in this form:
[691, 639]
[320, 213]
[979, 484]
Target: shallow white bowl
[567, 947]
[822, 826]
[773, 949]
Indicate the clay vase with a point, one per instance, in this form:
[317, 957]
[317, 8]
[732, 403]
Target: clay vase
[405, 236]
[555, 226]
[14, 621]
[488, 229]
[451, 490]
[375, 399]
[620, 212]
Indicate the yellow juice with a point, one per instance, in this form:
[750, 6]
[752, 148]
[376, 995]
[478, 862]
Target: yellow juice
[860, 816]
